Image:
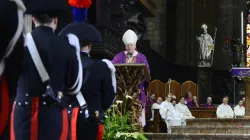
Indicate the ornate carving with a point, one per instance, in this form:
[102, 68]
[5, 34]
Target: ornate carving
[129, 76]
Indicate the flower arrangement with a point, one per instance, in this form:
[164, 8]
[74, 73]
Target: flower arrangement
[117, 124]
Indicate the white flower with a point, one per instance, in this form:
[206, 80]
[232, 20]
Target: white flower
[119, 102]
[114, 106]
[127, 96]
[118, 134]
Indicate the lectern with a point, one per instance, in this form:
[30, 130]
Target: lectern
[129, 76]
[244, 74]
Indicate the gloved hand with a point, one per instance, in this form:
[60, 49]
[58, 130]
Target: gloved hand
[53, 99]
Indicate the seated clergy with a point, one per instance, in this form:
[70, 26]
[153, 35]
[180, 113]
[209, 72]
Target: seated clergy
[193, 102]
[189, 98]
[209, 103]
[173, 102]
[239, 110]
[156, 105]
[224, 110]
[151, 100]
[169, 114]
[183, 109]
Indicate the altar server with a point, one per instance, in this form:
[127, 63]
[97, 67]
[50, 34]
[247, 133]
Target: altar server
[50, 72]
[98, 88]
[11, 56]
[224, 110]
[239, 110]
[169, 114]
[156, 105]
[130, 55]
[184, 111]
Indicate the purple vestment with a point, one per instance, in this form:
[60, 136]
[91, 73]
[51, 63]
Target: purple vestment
[209, 106]
[140, 58]
[192, 104]
[188, 100]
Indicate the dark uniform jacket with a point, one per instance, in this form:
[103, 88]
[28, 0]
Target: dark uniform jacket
[97, 86]
[60, 61]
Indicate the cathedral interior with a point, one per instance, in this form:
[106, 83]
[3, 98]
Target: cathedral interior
[167, 30]
[193, 47]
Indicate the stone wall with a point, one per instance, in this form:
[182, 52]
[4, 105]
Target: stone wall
[229, 26]
[156, 28]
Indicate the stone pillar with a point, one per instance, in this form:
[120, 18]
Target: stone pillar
[204, 82]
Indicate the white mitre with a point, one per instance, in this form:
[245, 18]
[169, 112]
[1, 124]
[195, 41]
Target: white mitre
[204, 26]
[129, 37]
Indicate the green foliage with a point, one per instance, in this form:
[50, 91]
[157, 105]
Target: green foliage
[117, 126]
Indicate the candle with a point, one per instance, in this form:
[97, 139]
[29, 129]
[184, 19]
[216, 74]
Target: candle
[242, 28]
[169, 85]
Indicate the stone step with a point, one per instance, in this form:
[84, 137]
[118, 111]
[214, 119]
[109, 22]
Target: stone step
[221, 129]
[186, 136]
[217, 122]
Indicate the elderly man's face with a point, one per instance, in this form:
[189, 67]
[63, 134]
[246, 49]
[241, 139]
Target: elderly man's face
[169, 97]
[152, 96]
[194, 98]
[174, 102]
[240, 103]
[130, 48]
[189, 95]
[182, 100]
[209, 100]
[159, 100]
[225, 100]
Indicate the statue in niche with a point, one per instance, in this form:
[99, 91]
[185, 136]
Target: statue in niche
[206, 47]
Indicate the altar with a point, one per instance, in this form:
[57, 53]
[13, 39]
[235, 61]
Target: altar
[243, 73]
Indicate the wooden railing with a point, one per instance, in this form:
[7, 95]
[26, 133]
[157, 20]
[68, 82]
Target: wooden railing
[203, 112]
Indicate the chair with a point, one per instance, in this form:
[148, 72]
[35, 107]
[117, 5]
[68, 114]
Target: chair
[189, 86]
[175, 89]
[158, 88]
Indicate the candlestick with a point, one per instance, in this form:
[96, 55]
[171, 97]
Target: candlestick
[242, 28]
[169, 84]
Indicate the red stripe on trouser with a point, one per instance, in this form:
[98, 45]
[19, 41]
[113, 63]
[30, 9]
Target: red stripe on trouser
[12, 131]
[5, 107]
[74, 123]
[100, 132]
[34, 119]
[65, 125]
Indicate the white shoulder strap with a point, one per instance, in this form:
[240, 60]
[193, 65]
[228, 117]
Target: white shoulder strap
[112, 69]
[36, 58]
[20, 11]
